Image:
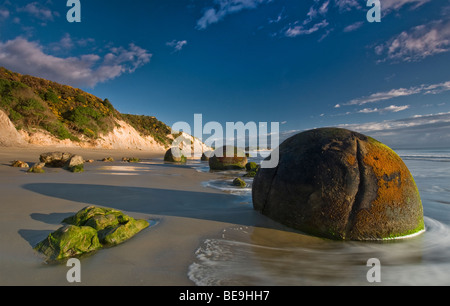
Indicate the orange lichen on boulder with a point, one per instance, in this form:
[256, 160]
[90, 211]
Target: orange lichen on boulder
[398, 201]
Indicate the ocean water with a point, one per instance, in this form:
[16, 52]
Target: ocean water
[246, 255]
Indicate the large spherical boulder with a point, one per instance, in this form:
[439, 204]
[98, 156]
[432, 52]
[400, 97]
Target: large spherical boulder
[340, 184]
[227, 158]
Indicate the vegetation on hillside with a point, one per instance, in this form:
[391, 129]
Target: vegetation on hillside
[149, 126]
[66, 112]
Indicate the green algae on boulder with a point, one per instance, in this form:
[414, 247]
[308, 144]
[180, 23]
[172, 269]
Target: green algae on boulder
[113, 235]
[69, 241]
[251, 166]
[238, 182]
[37, 168]
[69, 161]
[89, 215]
[19, 164]
[342, 185]
[55, 159]
[228, 158]
[109, 226]
[174, 155]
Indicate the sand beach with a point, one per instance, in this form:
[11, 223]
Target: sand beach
[203, 232]
[181, 210]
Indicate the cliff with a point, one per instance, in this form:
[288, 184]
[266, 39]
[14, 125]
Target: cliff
[38, 112]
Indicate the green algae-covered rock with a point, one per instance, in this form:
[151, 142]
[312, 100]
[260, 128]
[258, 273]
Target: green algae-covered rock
[228, 158]
[109, 226]
[55, 159]
[251, 166]
[114, 235]
[342, 185]
[19, 164]
[69, 241]
[174, 155]
[238, 182]
[91, 214]
[37, 168]
[251, 174]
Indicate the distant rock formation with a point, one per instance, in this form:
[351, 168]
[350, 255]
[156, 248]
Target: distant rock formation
[227, 158]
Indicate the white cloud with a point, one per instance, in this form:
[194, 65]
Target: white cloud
[294, 31]
[4, 13]
[177, 45]
[223, 8]
[389, 5]
[419, 131]
[347, 5]
[431, 130]
[354, 26]
[396, 109]
[279, 17]
[392, 108]
[418, 43]
[387, 125]
[400, 92]
[324, 7]
[38, 11]
[28, 57]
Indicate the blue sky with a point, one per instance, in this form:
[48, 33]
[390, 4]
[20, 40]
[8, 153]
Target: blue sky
[305, 64]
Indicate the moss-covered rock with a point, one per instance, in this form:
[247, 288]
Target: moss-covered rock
[19, 164]
[238, 182]
[174, 155]
[76, 169]
[37, 168]
[55, 159]
[251, 166]
[131, 159]
[109, 226]
[113, 235]
[69, 161]
[69, 241]
[342, 185]
[227, 158]
[251, 174]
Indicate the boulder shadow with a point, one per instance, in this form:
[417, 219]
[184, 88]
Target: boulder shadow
[190, 204]
[33, 237]
[53, 218]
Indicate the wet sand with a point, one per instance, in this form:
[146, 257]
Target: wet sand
[184, 213]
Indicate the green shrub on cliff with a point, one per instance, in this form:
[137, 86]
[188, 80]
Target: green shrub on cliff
[150, 126]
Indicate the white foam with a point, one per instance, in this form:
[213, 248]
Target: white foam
[235, 259]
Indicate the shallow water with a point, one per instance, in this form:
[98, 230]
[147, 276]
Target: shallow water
[243, 255]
